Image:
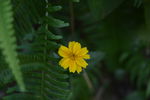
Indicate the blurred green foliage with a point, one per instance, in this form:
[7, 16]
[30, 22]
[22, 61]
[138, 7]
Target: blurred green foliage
[119, 29]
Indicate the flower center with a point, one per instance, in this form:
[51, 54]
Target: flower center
[72, 56]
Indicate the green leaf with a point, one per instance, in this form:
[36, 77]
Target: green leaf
[54, 8]
[55, 22]
[8, 41]
[137, 95]
[76, 0]
[148, 89]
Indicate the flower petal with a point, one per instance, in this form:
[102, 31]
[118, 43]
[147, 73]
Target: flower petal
[76, 48]
[87, 56]
[71, 44]
[64, 63]
[73, 66]
[79, 69]
[73, 57]
[83, 51]
[81, 62]
[64, 51]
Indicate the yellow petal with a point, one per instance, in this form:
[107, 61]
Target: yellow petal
[76, 48]
[64, 63]
[71, 44]
[64, 51]
[81, 62]
[73, 57]
[83, 51]
[72, 66]
[79, 69]
[87, 56]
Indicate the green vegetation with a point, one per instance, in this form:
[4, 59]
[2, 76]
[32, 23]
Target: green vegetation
[116, 32]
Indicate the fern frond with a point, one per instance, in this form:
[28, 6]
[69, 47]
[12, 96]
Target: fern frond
[43, 78]
[27, 15]
[7, 40]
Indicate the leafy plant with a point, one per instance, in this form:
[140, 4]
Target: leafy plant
[43, 78]
[7, 40]
[115, 31]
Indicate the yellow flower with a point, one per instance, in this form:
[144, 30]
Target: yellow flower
[73, 57]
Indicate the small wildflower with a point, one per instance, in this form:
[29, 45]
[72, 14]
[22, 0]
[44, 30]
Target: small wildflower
[73, 57]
